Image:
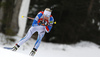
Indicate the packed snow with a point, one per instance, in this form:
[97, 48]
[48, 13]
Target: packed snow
[8, 53]
[81, 49]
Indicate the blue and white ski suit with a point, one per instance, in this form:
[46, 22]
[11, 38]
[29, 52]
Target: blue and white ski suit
[36, 27]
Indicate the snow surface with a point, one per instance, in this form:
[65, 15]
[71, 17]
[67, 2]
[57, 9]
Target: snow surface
[8, 53]
[81, 49]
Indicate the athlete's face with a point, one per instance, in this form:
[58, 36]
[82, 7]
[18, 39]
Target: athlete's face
[46, 17]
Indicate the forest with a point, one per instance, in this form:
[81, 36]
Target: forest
[77, 20]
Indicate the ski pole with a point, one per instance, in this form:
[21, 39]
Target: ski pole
[27, 17]
[33, 18]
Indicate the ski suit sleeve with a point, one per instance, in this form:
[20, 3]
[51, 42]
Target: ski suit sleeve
[37, 17]
[49, 27]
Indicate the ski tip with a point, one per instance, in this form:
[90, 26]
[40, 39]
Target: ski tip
[7, 48]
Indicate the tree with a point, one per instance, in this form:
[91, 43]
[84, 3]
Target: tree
[1, 12]
[7, 17]
[10, 16]
[14, 21]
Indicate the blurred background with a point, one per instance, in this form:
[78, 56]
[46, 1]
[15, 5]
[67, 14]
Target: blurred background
[77, 20]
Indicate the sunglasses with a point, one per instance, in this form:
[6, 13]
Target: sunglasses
[46, 15]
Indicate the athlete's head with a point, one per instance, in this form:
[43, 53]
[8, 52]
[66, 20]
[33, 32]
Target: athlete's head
[47, 13]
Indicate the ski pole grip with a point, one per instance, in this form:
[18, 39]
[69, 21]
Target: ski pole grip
[55, 22]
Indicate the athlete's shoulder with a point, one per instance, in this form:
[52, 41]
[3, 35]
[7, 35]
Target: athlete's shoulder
[51, 17]
[41, 12]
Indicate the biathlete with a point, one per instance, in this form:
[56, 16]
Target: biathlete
[42, 23]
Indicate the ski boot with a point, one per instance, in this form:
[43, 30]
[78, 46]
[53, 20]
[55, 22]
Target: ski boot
[32, 53]
[15, 47]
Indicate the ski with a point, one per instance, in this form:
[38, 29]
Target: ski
[9, 48]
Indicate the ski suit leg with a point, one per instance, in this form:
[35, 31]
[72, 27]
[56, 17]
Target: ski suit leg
[28, 35]
[39, 38]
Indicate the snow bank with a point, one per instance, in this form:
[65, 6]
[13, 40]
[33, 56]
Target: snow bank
[8, 53]
[81, 49]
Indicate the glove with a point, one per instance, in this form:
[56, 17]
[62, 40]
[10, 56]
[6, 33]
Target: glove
[43, 22]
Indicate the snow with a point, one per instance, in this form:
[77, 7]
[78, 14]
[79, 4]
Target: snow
[93, 21]
[8, 53]
[98, 25]
[81, 49]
